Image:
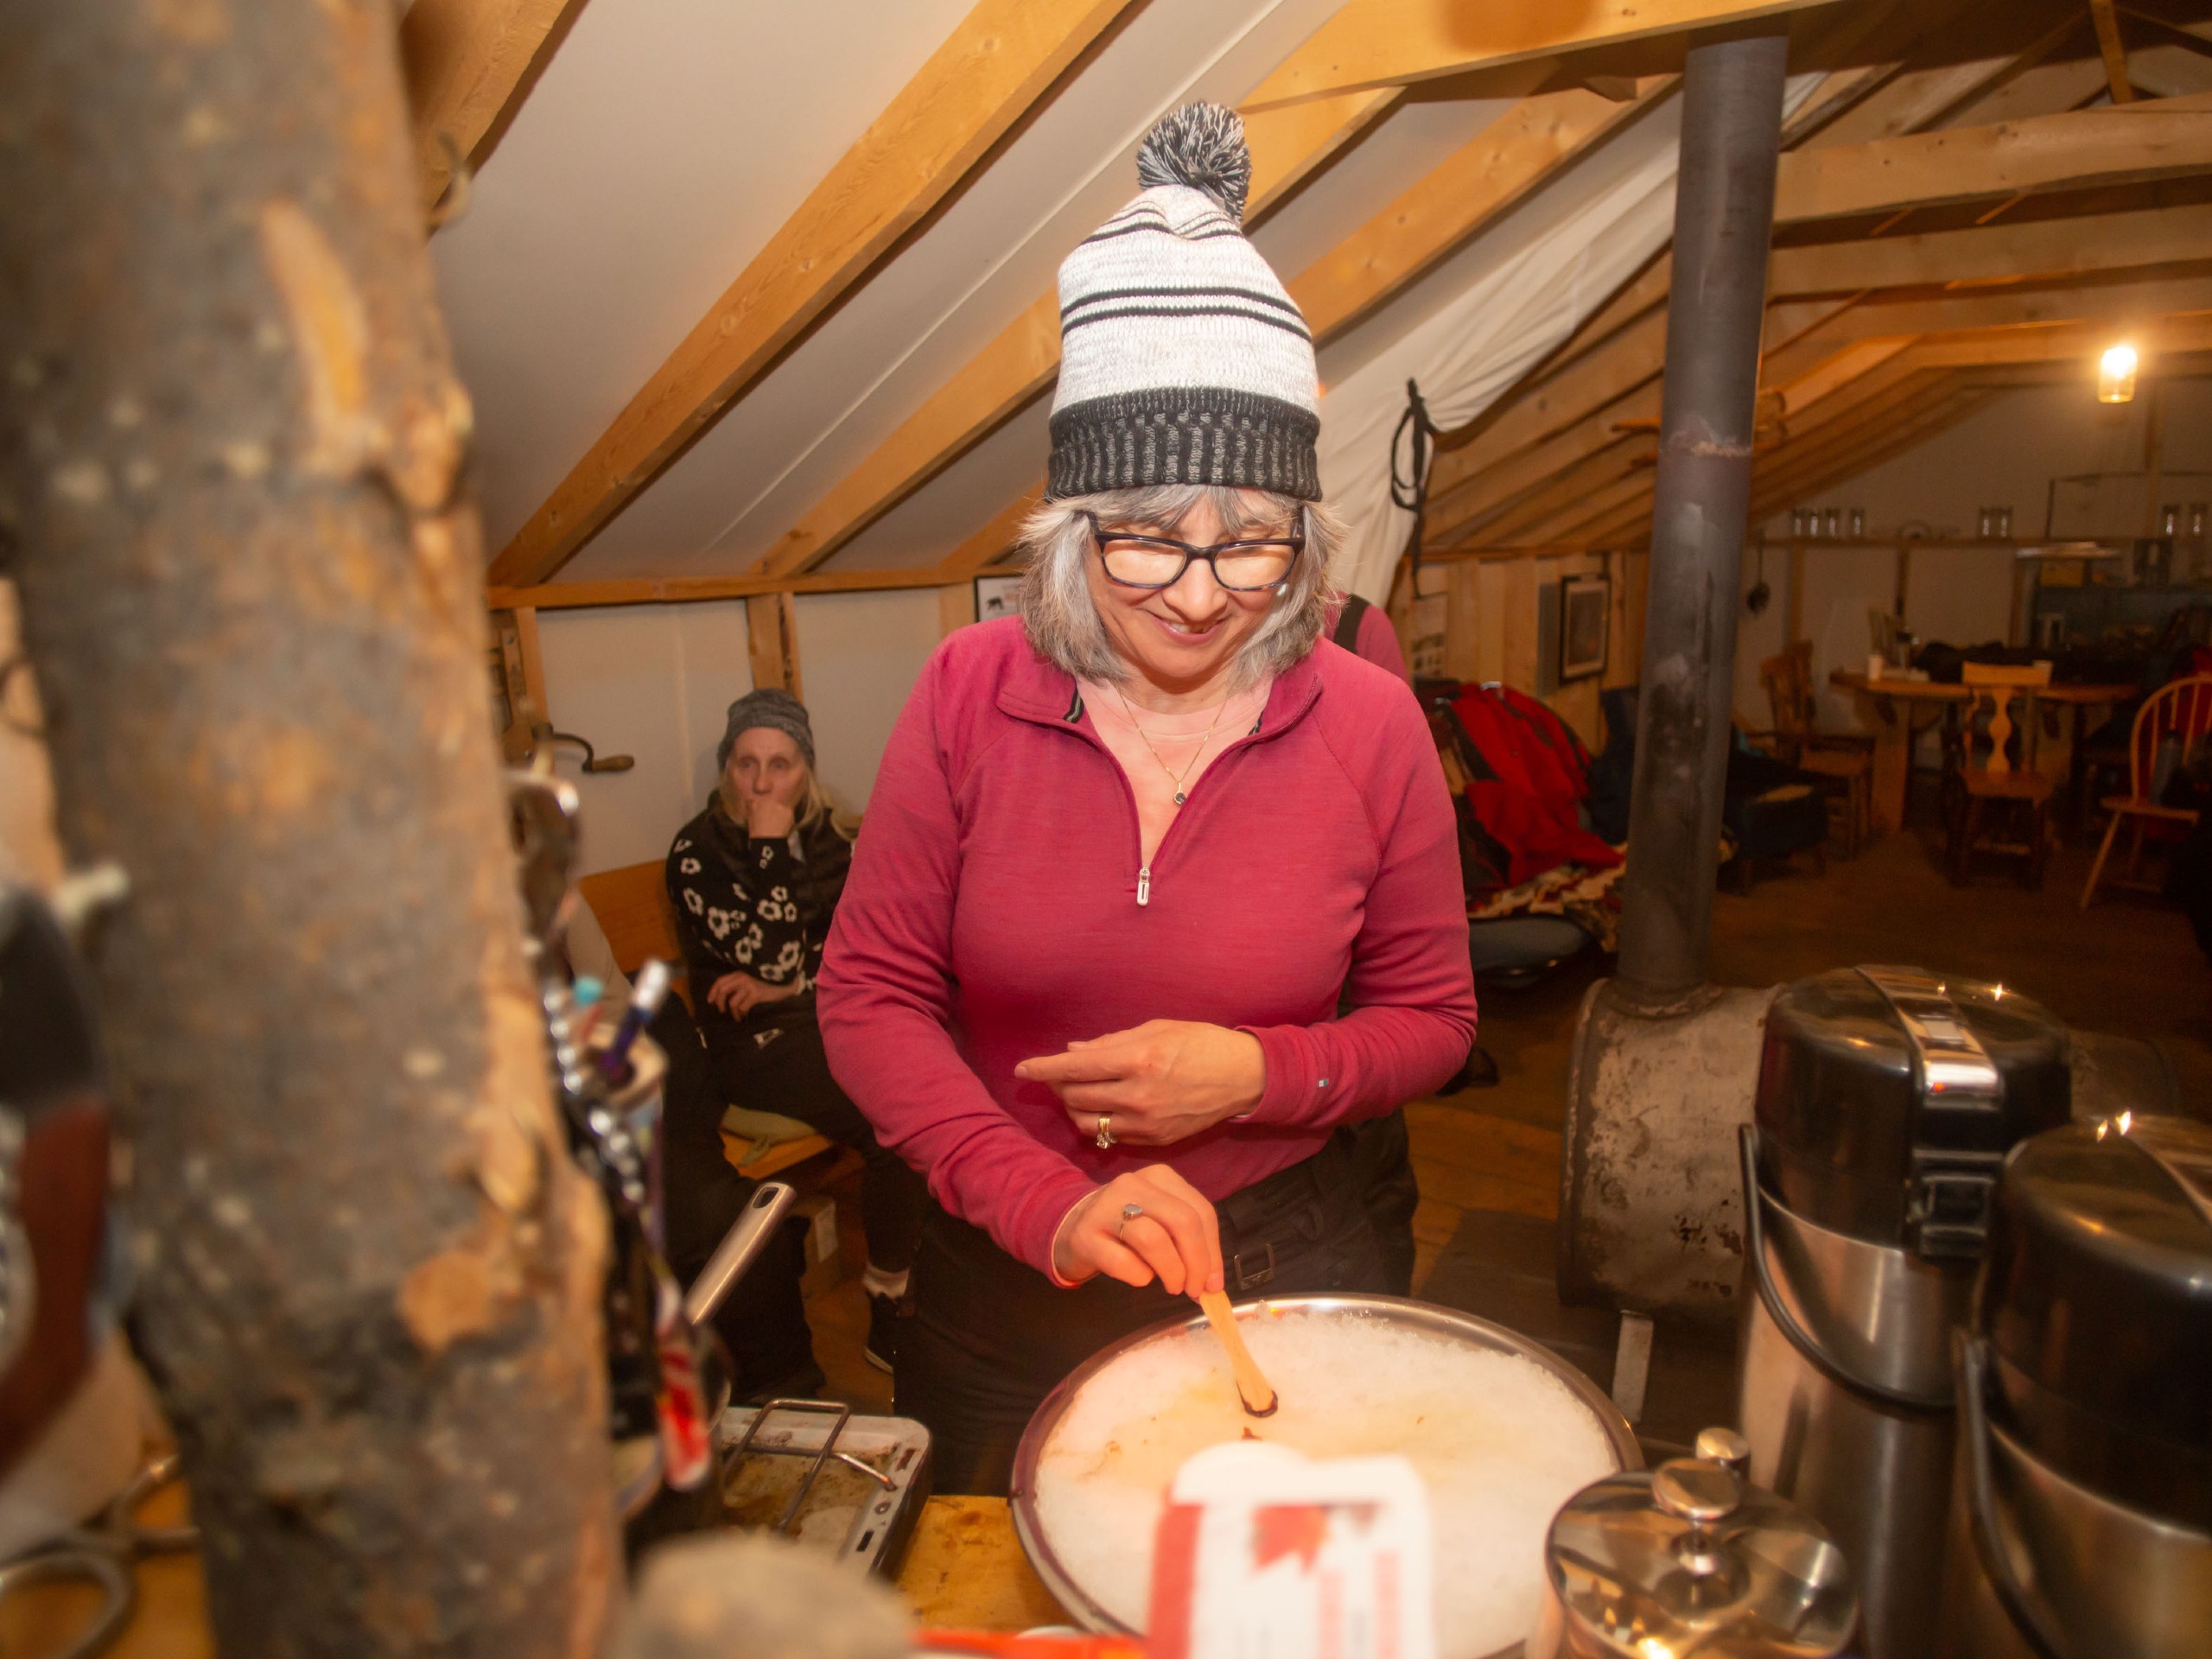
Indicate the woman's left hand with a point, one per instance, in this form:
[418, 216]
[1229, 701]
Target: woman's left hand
[738, 995]
[1162, 1082]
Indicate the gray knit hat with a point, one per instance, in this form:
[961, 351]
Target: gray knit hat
[772, 707]
[1182, 360]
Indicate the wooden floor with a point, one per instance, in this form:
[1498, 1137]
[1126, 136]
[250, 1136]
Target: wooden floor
[2129, 966]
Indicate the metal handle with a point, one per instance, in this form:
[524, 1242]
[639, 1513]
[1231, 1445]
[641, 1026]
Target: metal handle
[107, 1572]
[1747, 1146]
[1981, 1504]
[747, 1237]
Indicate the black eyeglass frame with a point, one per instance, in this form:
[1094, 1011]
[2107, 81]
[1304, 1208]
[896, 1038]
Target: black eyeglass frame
[1295, 541]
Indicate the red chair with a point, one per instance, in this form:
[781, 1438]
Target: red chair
[2179, 713]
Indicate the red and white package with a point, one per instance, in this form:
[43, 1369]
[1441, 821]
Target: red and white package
[1263, 1552]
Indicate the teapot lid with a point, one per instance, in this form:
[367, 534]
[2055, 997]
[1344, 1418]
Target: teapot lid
[1691, 1557]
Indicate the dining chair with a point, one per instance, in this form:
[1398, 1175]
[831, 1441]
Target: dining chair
[1843, 761]
[2172, 721]
[2002, 791]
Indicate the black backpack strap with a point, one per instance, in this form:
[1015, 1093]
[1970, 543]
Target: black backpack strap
[1348, 620]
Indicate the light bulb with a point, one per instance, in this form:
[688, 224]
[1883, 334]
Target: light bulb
[2116, 375]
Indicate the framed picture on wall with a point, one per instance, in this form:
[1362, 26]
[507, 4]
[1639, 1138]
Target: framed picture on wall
[995, 597]
[1586, 609]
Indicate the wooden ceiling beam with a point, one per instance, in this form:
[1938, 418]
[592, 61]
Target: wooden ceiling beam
[2112, 51]
[1508, 160]
[1002, 58]
[2168, 137]
[2037, 249]
[1480, 491]
[677, 590]
[1514, 155]
[468, 64]
[1287, 146]
[1399, 42]
[1626, 520]
[1625, 488]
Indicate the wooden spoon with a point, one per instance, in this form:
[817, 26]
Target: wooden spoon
[1253, 1388]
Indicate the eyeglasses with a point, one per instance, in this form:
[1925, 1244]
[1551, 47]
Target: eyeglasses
[1159, 562]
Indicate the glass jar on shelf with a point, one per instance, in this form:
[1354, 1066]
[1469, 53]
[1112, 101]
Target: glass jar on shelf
[1832, 523]
[1858, 523]
[1798, 528]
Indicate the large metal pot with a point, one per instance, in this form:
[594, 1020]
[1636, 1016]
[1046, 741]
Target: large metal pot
[1420, 1317]
[2081, 1526]
[1887, 1100]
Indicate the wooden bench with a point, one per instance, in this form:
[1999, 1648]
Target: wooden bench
[631, 905]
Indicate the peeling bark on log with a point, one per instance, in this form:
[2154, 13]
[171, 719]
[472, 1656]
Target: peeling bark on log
[229, 460]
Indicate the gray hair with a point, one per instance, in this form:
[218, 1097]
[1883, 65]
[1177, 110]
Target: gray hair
[1064, 626]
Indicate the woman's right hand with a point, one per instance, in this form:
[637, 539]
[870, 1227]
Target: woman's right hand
[1176, 1239]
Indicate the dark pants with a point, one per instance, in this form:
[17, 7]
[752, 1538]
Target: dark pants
[788, 1072]
[1383, 1163]
[990, 1336]
[763, 1319]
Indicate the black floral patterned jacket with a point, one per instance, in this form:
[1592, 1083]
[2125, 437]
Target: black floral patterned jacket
[760, 908]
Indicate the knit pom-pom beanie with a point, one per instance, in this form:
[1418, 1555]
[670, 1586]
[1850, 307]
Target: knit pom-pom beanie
[1182, 360]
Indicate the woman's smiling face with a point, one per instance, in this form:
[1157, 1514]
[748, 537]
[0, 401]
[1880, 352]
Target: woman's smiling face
[1180, 638]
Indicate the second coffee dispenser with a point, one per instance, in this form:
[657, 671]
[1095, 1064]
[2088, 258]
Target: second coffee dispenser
[1887, 1101]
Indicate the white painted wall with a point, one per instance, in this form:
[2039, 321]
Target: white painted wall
[652, 681]
[859, 655]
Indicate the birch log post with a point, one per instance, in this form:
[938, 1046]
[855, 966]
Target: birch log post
[231, 463]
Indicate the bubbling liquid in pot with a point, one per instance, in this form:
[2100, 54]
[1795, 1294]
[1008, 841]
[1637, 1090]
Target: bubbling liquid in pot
[1499, 1442]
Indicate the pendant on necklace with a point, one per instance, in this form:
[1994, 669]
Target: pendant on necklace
[1179, 797]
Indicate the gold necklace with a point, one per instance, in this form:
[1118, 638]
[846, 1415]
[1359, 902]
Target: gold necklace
[1205, 737]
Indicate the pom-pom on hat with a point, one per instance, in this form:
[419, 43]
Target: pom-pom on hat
[1182, 360]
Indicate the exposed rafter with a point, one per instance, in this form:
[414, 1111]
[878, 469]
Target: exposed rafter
[1399, 42]
[2114, 54]
[2167, 138]
[1439, 212]
[1004, 55]
[468, 65]
[2038, 250]
[1589, 509]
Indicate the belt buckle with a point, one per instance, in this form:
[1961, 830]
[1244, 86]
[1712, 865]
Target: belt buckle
[1250, 1280]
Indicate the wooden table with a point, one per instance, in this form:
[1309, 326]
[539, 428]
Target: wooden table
[1897, 711]
[965, 1571]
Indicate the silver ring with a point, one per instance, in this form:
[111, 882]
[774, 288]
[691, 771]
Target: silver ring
[1104, 1139]
[1130, 1213]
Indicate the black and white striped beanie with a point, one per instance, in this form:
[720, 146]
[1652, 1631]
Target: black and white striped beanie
[1182, 360]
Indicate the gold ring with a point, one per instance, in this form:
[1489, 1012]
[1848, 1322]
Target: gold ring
[1104, 1139]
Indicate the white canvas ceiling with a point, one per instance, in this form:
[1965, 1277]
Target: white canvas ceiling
[667, 140]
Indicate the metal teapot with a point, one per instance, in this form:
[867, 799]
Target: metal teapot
[1691, 1557]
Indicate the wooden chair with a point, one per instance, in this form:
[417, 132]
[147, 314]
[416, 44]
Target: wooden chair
[1843, 761]
[631, 905]
[2004, 786]
[2179, 713]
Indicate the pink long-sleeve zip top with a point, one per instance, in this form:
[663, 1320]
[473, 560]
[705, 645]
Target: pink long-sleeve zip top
[998, 910]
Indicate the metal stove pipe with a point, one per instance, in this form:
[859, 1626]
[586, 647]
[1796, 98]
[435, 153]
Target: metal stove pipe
[1724, 218]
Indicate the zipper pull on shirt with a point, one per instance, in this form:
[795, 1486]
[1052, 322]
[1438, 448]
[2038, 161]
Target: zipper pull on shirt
[1144, 884]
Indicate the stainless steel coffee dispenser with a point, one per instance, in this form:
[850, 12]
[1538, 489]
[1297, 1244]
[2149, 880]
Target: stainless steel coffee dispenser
[1887, 1099]
[2082, 1517]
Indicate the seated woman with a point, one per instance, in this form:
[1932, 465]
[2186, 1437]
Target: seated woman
[754, 880]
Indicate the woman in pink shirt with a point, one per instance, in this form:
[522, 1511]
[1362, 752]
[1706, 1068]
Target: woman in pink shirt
[1123, 854]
